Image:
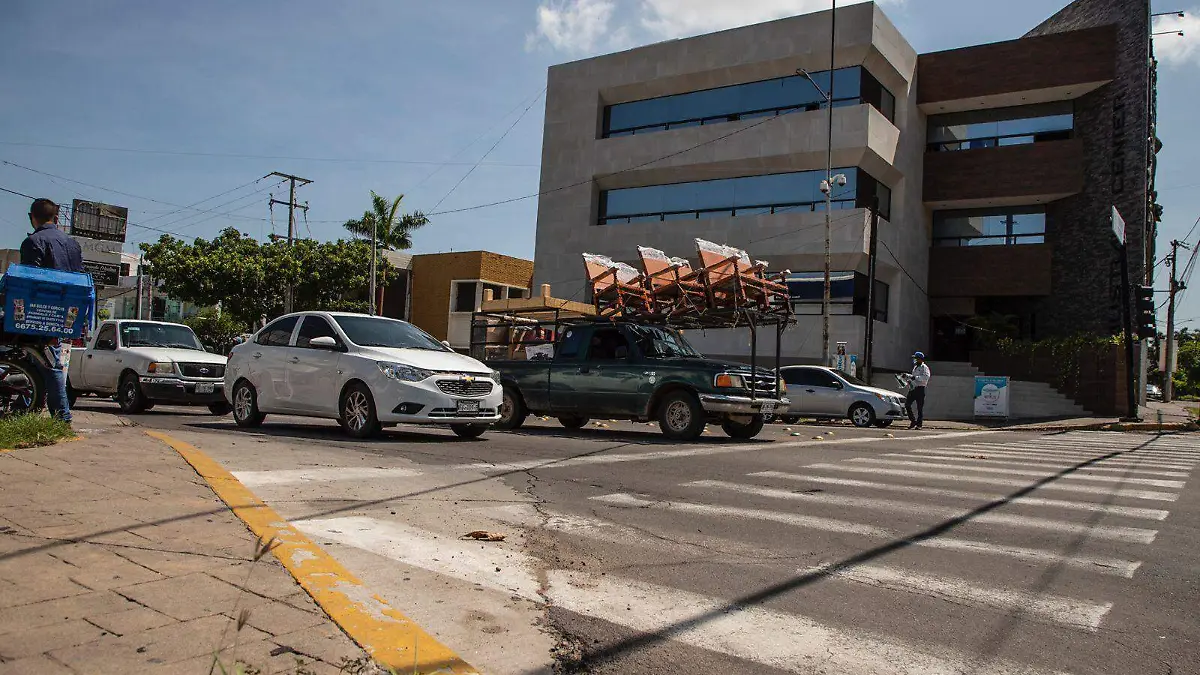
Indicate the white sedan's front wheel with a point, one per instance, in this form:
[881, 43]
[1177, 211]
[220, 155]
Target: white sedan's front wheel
[358, 416]
[245, 406]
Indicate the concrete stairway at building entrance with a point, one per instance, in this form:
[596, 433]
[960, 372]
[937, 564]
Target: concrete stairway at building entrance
[950, 395]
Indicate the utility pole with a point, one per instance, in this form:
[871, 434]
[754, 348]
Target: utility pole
[869, 347]
[825, 294]
[137, 304]
[1169, 356]
[291, 237]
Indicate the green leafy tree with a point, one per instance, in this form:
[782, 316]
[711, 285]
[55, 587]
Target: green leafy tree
[216, 329]
[250, 278]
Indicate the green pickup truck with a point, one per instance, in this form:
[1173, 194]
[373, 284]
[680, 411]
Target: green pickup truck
[619, 370]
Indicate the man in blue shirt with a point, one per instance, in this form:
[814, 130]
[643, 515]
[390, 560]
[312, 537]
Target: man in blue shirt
[51, 248]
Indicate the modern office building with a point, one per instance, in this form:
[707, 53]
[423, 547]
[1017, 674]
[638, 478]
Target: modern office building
[995, 169]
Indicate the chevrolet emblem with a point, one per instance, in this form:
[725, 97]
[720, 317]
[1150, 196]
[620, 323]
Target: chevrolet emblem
[468, 379]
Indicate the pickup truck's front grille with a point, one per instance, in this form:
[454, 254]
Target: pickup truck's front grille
[202, 370]
[465, 388]
[764, 384]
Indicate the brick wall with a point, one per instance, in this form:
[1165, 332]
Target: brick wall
[432, 275]
[1111, 122]
[990, 271]
[1028, 64]
[1047, 168]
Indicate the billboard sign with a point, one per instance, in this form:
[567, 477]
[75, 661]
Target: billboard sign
[103, 274]
[94, 220]
[991, 396]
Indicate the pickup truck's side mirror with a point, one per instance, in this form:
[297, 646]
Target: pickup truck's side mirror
[208, 348]
[323, 342]
[447, 343]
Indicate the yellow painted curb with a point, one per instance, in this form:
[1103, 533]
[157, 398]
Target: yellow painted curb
[391, 638]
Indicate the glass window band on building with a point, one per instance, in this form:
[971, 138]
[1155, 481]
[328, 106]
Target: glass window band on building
[774, 193]
[846, 289]
[753, 100]
[1000, 127]
[990, 227]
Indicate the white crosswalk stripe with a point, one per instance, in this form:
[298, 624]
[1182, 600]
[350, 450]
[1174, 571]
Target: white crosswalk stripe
[1115, 533]
[1154, 495]
[1076, 475]
[1130, 511]
[1101, 564]
[969, 459]
[992, 453]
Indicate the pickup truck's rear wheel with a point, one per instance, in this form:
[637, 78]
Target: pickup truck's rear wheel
[573, 422]
[469, 430]
[129, 395]
[680, 416]
[513, 412]
[245, 406]
[358, 412]
[745, 431]
[72, 395]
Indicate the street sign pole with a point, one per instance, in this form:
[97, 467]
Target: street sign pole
[1118, 225]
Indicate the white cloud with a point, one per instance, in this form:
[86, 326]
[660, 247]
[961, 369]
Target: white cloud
[679, 18]
[1172, 49]
[588, 26]
[577, 26]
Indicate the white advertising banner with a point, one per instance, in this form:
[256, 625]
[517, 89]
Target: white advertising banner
[991, 396]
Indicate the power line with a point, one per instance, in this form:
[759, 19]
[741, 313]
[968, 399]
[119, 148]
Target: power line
[184, 153]
[615, 173]
[14, 192]
[478, 138]
[485, 155]
[206, 199]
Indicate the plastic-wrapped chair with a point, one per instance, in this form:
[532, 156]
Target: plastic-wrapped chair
[616, 287]
[733, 281]
[674, 287]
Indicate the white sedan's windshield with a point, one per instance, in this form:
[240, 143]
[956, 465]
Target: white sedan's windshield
[372, 331]
[143, 334]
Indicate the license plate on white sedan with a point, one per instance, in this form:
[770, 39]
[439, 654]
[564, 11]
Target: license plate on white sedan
[205, 388]
[768, 409]
[468, 407]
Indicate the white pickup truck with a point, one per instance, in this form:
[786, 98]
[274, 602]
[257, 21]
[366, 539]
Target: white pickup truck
[141, 363]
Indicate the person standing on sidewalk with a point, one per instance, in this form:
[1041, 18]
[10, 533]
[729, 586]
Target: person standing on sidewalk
[917, 381]
[49, 247]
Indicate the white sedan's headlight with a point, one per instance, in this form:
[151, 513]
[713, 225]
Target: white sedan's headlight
[161, 368]
[496, 376]
[404, 373]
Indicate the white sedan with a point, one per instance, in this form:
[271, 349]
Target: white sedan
[364, 371]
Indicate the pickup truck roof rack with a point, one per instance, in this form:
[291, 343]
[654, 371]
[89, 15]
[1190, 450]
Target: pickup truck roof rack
[501, 328]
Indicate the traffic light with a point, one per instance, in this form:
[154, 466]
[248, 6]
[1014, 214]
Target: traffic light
[1144, 318]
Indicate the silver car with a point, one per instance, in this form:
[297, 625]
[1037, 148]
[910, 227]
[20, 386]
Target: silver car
[826, 393]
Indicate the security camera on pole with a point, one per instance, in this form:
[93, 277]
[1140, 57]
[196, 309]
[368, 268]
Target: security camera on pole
[826, 187]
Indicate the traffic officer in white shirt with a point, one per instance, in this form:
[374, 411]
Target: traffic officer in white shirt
[917, 381]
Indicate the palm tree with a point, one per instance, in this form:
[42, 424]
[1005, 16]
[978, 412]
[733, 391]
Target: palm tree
[385, 227]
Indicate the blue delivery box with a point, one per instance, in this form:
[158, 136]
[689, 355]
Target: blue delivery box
[46, 302]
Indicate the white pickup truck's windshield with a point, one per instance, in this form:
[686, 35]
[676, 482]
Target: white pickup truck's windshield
[369, 331]
[662, 343]
[143, 334]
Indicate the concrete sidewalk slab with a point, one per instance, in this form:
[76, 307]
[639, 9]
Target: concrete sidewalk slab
[115, 556]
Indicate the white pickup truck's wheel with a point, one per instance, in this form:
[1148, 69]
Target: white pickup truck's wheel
[129, 395]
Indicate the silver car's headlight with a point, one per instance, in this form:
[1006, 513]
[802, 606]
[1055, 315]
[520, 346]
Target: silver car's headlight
[496, 376]
[404, 373]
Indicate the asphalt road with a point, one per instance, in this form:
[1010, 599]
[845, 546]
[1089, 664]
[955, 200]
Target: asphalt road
[925, 552]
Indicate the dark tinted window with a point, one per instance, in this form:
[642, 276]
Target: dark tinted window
[822, 378]
[374, 331]
[1001, 126]
[313, 327]
[752, 100]
[277, 334]
[990, 227]
[571, 344]
[108, 334]
[464, 296]
[796, 376]
[608, 344]
[745, 196]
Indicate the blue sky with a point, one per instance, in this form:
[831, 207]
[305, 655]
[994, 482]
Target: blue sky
[226, 91]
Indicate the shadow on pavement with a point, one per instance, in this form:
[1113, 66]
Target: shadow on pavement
[616, 649]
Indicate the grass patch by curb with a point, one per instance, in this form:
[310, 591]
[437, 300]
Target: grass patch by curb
[30, 431]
